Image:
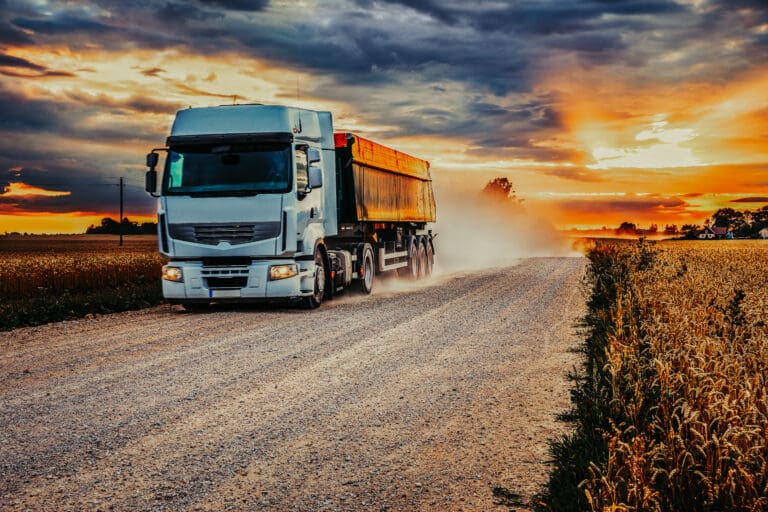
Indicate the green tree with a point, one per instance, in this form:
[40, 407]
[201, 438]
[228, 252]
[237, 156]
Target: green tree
[759, 220]
[732, 219]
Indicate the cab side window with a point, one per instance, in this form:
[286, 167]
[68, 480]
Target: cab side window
[302, 175]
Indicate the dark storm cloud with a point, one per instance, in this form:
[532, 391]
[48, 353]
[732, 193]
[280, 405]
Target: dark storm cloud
[73, 118]
[18, 62]
[573, 174]
[86, 188]
[238, 5]
[631, 205]
[464, 70]
[21, 114]
[28, 69]
[134, 104]
[494, 46]
[44, 74]
[10, 35]
[751, 200]
[86, 194]
[152, 71]
[63, 24]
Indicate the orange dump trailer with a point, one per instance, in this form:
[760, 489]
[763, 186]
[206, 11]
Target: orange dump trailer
[376, 183]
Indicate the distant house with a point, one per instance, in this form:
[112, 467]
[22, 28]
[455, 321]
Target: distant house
[714, 233]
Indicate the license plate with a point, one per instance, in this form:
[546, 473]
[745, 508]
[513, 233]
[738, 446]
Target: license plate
[223, 294]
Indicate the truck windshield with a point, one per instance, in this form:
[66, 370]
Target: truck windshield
[224, 169]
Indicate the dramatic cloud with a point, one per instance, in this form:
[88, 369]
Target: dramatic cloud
[751, 200]
[649, 98]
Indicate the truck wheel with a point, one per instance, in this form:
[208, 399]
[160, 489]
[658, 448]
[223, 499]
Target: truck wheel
[314, 300]
[368, 268]
[421, 254]
[430, 256]
[195, 306]
[412, 270]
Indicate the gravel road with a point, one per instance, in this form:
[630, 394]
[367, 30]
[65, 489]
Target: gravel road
[418, 399]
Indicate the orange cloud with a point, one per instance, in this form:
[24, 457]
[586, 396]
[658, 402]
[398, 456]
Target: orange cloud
[15, 189]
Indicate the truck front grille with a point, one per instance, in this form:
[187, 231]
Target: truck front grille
[234, 234]
[225, 277]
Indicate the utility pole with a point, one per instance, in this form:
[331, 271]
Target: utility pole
[122, 185]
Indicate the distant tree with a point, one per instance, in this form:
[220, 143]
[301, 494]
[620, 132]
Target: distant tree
[110, 226]
[627, 228]
[759, 221]
[732, 219]
[500, 189]
[670, 229]
[148, 228]
[107, 226]
[690, 230]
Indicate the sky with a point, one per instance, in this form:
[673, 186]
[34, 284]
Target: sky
[599, 111]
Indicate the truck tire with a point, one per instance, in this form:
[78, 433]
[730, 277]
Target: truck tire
[195, 306]
[368, 267]
[314, 300]
[430, 256]
[421, 255]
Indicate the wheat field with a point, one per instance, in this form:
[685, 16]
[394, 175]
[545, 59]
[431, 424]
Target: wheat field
[48, 278]
[674, 392]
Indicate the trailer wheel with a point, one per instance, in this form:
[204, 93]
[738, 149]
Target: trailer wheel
[367, 266]
[412, 270]
[430, 256]
[421, 254]
[314, 300]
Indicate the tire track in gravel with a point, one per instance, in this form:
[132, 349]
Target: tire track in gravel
[344, 408]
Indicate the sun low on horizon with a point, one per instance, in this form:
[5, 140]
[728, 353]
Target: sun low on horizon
[652, 112]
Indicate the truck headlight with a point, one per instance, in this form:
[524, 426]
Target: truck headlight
[173, 274]
[277, 272]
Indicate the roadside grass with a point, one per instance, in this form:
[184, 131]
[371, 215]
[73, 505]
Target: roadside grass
[50, 278]
[670, 408]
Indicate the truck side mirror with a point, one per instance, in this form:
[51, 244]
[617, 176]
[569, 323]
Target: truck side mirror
[150, 180]
[313, 156]
[315, 176]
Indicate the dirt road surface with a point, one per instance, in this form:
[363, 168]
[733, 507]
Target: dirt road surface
[424, 399]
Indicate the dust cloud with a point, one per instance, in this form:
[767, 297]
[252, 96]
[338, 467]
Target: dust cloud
[475, 231]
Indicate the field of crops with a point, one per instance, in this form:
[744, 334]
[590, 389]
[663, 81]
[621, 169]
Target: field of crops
[49, 278]
[671, 408]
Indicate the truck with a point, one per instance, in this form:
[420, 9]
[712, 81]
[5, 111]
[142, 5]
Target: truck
[267, 202]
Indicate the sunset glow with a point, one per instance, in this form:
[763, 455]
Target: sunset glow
[650, 112]
[23, 190]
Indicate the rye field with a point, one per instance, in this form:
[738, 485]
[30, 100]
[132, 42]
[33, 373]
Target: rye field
[50, 278]
[670, 410]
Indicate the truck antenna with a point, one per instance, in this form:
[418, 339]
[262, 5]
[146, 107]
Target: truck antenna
[298, 90]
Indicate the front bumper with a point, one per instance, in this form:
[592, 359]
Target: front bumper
[203, 283]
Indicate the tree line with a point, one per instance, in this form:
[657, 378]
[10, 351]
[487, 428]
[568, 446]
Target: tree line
[743, 224]
[109, 226]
